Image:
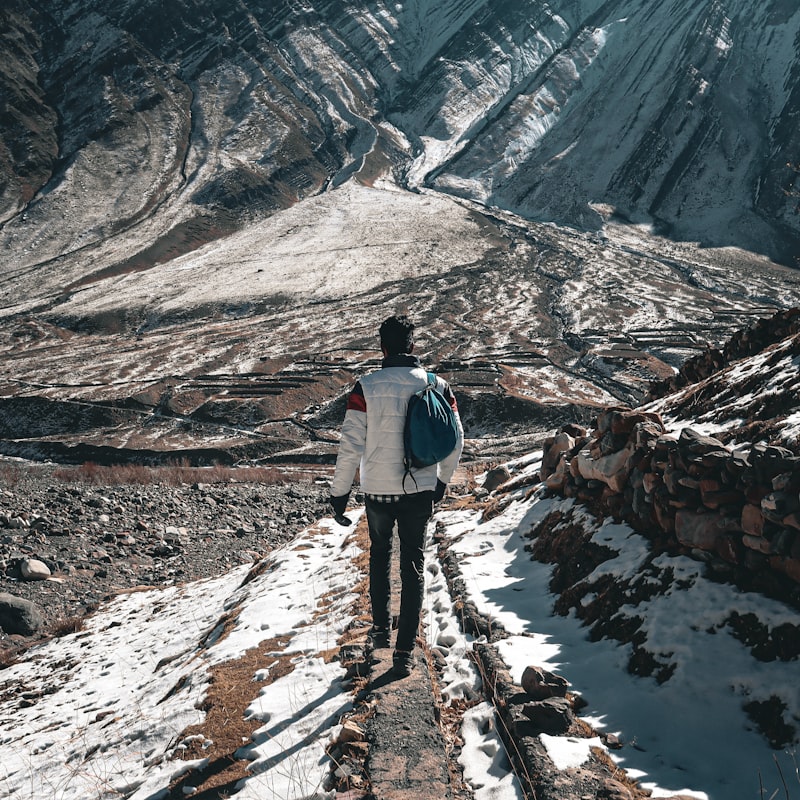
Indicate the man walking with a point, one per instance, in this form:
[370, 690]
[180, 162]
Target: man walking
[372, 441]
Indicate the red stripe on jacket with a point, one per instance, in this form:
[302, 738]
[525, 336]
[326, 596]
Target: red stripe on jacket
[451, 398]
[357, 401]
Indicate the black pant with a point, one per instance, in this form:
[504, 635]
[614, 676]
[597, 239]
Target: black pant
[411, 513]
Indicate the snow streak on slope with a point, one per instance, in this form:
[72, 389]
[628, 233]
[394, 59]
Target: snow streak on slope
[661, 113]
[679, 114]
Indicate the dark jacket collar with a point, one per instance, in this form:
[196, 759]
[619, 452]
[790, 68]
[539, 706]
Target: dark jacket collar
[400, 360]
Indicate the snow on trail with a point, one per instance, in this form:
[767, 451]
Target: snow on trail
[99, 713]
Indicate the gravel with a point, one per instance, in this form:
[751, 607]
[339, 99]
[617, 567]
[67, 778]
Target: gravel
[98, 540]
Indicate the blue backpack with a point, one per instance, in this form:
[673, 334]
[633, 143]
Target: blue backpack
[431, 430]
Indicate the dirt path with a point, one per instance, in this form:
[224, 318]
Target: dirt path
[404, 748]
[407, 758]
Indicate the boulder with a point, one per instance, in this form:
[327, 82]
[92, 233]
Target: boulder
[32, 569]
[574, 430]
[700, 530]
[351, 732]
[758, 543]
[752, 520]
[648, 433]
[651, 481]
[788, 566]
[715, 459]
[612, 470]
[627, 422]
[608, 443]
[792, 521]
[777, 505]
[553, 715]
[606, 417]
[496, 477]
[18, 615]
[614, 790]
[554, 447]
[557, 479]
[725, 497]
[730, 549]
[787, 481]
[664, 512]
[771, 460]
[693, 442]
[540, 684]
[672, 477]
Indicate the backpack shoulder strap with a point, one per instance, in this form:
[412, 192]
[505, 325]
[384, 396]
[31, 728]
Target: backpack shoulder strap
[431, 380]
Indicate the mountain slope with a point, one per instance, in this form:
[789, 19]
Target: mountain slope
[208, 207]
[151, 128]
[245, 348]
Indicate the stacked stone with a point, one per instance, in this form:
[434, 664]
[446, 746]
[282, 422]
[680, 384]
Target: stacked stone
[745, 342]
[743, 505]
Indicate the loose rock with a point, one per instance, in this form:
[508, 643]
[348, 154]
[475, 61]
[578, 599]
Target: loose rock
[18, 615]
[32, 569]
[184, 538]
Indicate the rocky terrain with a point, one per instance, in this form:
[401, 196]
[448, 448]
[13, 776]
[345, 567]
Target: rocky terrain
[98, 540]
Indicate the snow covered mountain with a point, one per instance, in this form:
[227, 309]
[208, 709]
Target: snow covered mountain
[182, 117]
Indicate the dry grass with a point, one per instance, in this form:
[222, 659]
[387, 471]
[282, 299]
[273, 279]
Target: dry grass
[9, 654]
[229, 695]
[67, 625]
[178, 474]
[9, 475]
[13, 650]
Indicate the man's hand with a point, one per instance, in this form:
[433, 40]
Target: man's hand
[339, 505]
[438, 492]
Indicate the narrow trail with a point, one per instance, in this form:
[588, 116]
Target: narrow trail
[409, 738]
[406, 754]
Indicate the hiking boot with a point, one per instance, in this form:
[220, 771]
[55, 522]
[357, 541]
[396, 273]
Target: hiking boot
[402, 663]
[378, 637]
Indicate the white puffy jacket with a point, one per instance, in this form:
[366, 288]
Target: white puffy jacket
[372, 433]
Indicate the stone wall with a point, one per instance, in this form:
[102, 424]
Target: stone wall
[745, 342]
[689, 492]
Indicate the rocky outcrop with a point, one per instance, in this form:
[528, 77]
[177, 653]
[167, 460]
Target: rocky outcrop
[689, 492]
[28, 123]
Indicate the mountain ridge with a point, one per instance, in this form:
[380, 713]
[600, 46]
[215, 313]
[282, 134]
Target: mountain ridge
[553, 113]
